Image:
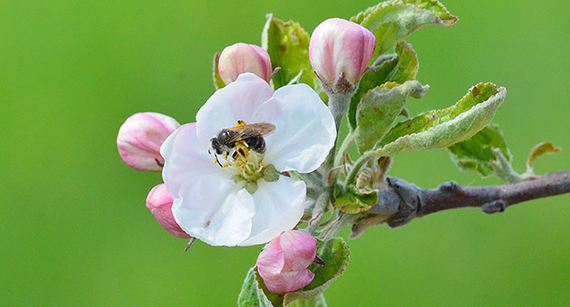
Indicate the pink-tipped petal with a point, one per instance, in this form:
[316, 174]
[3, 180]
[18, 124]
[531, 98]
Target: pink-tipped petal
[140, 138]
[340, 46]
[284, 261]
[159, 203]
[242, 58]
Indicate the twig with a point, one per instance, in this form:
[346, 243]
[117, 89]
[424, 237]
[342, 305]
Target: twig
[402, 201]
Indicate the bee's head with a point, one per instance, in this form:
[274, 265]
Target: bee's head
[215, 146]
[223, 136]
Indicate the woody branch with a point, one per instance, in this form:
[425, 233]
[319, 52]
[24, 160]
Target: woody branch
[403, 201]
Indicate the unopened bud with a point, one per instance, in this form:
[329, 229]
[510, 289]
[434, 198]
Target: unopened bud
[241, 58]
[339, 52]
[284, 261]
[159, 203]
[140, 138]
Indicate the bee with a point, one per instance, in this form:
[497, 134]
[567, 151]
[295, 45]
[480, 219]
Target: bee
[228, 140]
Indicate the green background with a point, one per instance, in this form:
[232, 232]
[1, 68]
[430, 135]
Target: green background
[74, 230]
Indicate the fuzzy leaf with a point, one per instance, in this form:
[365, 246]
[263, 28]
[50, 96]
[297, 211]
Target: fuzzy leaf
[443, 128]
[408, 64]
[392, 21]
[318, 301]
[476, 154]
[504, 169]
[251, 293]
[379, 108]
[218, 82]
[335, 254]
[288, 46]
[354, 202]
[400, 67]
[539, 150]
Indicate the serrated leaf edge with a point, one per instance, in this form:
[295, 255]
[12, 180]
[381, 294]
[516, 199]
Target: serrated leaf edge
[481, 111]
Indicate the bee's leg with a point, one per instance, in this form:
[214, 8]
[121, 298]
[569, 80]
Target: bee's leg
[216, 160]
[233, 154]
[242, 149]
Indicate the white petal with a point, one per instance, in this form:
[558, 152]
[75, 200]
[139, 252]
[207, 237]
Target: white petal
[279, 206]
[186, 160]
[215, 210]
[305, 129]
[239, 100]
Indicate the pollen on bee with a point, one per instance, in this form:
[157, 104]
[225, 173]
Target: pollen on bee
[242, 149]
[240, 123]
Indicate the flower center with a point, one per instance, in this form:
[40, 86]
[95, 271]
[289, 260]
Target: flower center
[242, 148]
[247, 164]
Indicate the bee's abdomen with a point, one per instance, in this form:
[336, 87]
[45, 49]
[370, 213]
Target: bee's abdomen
[257, 144]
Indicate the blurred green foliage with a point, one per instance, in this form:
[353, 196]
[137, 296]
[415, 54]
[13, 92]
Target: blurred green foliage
[73, 224]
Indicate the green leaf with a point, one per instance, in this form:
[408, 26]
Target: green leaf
[504, 169]
[476, 154]
[399, 68]
[354, 202]
[408, 64]
[218, 83]
[539, 150]
[251, 294]
[335, 254]
[318, 301]
[392, 21]
[288, 46]
[379, 108]
[443, 128]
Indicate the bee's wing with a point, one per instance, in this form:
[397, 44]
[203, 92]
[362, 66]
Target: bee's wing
[250, 131]
[262, 128]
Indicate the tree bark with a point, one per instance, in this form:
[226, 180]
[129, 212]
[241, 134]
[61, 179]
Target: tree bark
[402, 201]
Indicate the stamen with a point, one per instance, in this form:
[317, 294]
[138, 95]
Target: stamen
[245, 163]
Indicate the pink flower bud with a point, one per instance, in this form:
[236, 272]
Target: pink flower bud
[241, 58]
[159, 203]
[284, 261]
[340, 46]
[140, 138]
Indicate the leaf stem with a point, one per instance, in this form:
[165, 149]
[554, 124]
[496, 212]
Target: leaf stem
[318, 212]
[346, 143]
[350, 178]
[336, 227]
[338, 105]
